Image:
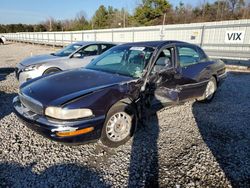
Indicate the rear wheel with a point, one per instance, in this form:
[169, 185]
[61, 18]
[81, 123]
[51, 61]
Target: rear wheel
[210, 91]
[119, 125]
[51, 71]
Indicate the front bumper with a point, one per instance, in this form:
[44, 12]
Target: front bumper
[24, 76]
[49, 128]
[222, 77]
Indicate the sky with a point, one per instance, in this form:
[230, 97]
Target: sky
[35, 11]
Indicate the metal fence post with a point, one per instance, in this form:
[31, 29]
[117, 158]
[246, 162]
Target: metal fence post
[62, 39]
[133, 35]
[202, 35]
[82, 36]
[54, 43]
[42, 38]
[48, 38]
[33, 39]
[112, 33]
[71, 37]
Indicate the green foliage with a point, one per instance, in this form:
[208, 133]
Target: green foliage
[100, 19]
[11, 28]
[148, 12]
[80, 22]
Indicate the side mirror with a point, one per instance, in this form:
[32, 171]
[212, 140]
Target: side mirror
[77, 55]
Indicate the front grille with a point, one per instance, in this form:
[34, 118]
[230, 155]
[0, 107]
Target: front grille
[31, 104]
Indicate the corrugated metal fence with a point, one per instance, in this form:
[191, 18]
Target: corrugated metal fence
[226, 39]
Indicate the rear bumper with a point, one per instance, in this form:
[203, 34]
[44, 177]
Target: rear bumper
[48, 128]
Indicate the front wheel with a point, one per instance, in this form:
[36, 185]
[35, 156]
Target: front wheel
[119, 125]
[210, 91]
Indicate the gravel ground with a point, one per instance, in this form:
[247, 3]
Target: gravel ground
[192, 145]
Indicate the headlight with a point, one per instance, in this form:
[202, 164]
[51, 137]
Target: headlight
[30, 68]
[67, 114]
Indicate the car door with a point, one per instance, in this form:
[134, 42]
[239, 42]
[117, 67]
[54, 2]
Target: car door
[194, 71]
[162, 79]
[83, 57]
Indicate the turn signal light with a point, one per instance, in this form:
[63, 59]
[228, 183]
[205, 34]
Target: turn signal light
[75, 133]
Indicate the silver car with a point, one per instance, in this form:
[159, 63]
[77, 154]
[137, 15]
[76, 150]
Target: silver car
[75, 55]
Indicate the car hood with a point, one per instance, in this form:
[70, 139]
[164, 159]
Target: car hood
[62, 87]
[39, 59]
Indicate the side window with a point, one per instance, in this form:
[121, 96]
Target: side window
[90, 50]
[164, 60]
[105, 47]
[188, 56]
[203, 56]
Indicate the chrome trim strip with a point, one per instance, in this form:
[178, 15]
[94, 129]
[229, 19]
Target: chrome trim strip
[30, 99]
[222, 75]
[192, 85]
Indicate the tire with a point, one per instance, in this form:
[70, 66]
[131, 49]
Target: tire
[51, 71]
[120, 112]
[210, 91]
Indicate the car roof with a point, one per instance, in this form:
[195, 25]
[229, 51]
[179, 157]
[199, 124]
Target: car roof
[155, 44]
[84, 43]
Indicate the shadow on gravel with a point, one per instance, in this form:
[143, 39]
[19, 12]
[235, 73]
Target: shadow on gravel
[5, 98]
[4, 72]
[144, 167]
[224, 127]
[6, 103]
[63, 175]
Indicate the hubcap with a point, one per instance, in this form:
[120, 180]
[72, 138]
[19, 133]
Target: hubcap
[210, 90]
[118, 126]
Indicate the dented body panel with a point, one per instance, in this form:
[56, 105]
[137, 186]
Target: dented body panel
[99, 91]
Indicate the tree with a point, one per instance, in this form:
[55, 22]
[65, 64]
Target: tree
[39, 28]
[80, 22]
[117, 18]
[100, 18]
[183, 13]
[235, 5]
[150, 12]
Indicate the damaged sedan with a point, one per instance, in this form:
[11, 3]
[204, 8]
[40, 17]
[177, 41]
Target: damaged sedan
[107, 99]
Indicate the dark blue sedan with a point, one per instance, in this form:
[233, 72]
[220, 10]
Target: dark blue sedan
[106, 99]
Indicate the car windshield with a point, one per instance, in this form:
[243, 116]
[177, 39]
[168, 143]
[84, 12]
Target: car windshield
[125, 60]
[67, 50]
